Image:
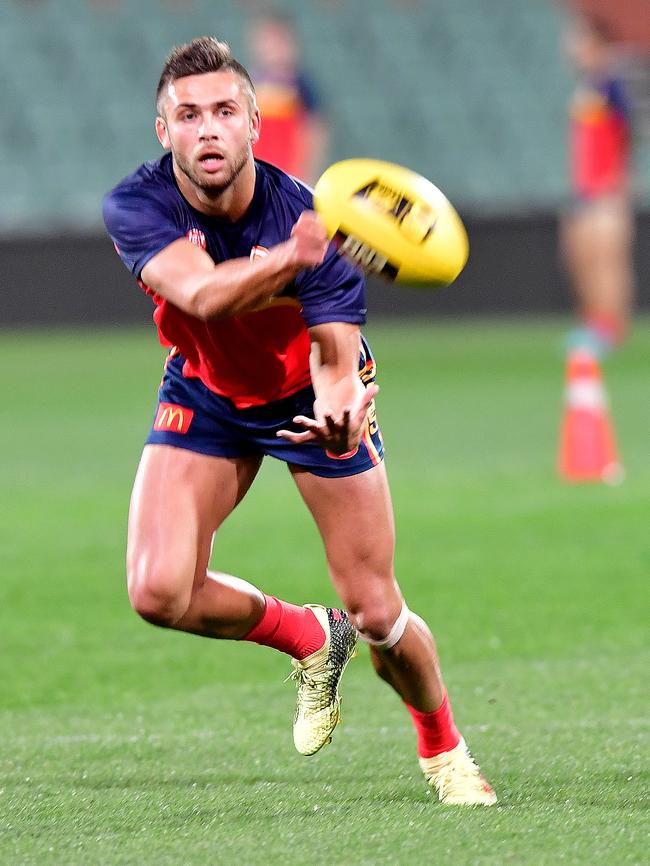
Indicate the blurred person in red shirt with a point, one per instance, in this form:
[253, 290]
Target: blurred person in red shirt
[597, 234]
[294, 135]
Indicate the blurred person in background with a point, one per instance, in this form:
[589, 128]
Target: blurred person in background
[295, 132]
[597, 234]
[596, 238]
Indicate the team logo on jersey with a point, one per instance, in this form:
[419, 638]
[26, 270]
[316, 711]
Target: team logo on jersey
[176, 419]
[258, 252]
[196, 237]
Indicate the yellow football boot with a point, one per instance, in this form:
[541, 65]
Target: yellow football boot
[457, 779]
[317, 677]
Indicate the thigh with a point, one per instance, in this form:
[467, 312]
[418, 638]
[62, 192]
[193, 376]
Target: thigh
[613, 256]
[354, 515]
[577, 240]
[179, 499]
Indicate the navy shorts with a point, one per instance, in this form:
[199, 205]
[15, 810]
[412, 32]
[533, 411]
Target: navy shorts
[189, 415]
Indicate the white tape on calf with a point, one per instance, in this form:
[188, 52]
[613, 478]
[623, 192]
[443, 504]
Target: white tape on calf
[393, 635]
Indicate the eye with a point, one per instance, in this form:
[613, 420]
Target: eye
[226, 112]
[188, 115]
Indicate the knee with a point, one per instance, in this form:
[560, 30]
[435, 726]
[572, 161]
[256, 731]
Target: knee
[154, 596]
[376, 620]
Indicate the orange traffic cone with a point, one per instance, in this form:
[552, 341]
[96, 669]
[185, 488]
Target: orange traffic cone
[587, 444]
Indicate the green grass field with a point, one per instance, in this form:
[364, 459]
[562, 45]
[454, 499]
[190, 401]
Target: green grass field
[124, 744]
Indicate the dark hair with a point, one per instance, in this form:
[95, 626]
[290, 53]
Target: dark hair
[205, 54]
[603, 29]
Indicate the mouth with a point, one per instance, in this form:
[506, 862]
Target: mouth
[211, 160]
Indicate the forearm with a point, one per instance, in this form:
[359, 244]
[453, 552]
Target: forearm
[342, 401]
[240, 285]
[338, 388]
[189, 278]
[335, 389]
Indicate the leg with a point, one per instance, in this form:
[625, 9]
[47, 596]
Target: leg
[612, 280]
[355, 519]
[179, 499]
[596, 242]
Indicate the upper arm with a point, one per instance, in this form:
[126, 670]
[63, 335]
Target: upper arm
[618, 98]
[152, 243]
[309, 95]
[141, 224]
[177, 272]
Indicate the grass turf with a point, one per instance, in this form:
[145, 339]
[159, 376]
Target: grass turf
[123, 744]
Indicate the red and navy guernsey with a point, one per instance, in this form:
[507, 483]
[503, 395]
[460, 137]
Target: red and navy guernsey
[260, 356]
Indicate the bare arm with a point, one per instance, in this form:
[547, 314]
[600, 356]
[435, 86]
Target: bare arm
[186, 275]
[342, 401]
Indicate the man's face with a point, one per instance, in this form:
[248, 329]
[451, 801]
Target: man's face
[586, 50]
[209, 126]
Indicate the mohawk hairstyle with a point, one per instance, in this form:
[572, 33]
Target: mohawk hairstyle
[202, 55]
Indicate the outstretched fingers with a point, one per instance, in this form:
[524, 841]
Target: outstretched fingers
[329, 431]
[333, 427]
[309, 423]
[297, 438]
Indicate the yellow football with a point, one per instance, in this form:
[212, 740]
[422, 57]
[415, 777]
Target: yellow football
[391, 221]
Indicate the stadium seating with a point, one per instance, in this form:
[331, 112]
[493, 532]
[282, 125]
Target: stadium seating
[471, 94]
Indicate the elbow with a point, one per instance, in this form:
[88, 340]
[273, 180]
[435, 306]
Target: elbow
[204, 306]
[209, 302]
[211, 309]
[204, 311]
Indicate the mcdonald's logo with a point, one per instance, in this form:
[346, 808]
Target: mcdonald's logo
[176, 419]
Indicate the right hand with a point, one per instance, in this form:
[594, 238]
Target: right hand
[336, 432]
[308, 242]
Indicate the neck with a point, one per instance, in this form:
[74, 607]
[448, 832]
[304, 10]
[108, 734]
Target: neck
[230, 203]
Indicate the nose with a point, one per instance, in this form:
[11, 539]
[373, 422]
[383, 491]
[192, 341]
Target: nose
[208, 126]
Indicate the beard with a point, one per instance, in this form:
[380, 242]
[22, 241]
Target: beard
[214, 187]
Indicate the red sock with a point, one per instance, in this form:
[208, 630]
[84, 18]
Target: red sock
[286, 627]
[610, 328]
[436, 730]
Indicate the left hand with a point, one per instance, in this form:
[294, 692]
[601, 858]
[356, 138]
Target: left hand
[338, 433]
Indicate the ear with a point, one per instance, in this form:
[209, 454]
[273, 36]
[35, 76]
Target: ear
[161, 132]
[256, 125]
